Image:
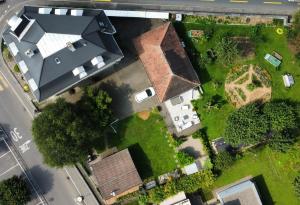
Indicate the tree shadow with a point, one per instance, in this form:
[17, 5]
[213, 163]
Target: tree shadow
[120, 94]
[263, 190]
[41, 178]
[141, 161]
[194, 55]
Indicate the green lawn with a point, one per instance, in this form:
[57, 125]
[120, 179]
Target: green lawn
[147, 144]
[273, 173]
[213, 76]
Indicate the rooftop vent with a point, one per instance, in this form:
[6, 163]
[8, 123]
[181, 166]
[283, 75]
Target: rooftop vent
[45, 10]
[29, 53]
[71, 46]
[76, 12]
[57, 61]
[61, 11]
[98, 61]
[79, 71]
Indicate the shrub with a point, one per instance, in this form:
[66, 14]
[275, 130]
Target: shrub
[156, 195]
[184, 158]
[26, 88]
[192, 183]
[251, 86]
[227, 51]
[223, 160]
[297, 56]
[16, 69]
[189, 184]
[241, 93]
[6, 54]
[296, 184]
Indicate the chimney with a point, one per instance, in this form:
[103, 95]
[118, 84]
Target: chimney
[29, 53]
[71, 46]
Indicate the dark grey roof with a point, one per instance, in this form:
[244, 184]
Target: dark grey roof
[96, 39]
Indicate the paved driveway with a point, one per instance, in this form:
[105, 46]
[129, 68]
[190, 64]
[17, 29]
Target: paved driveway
[129, 77]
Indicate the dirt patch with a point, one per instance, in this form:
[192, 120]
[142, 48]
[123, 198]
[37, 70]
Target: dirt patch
[245, 46]
[252, 85]
[144, 115]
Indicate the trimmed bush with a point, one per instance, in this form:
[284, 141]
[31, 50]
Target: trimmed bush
[16, 68]
[184, 158]
[296, 184]
[223, 160]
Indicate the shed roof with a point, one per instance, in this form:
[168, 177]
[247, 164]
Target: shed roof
[241, 193]
[166, 62]
[116, 174]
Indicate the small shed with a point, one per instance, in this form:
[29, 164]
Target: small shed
[288, 80]
[190, 169]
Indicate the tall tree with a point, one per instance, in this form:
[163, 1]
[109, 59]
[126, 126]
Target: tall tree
[281, 141]
[227, 51]
[14, 191]
[66, 133]
[95, 105]
[55, 132]
[246, 126]
[280, 116]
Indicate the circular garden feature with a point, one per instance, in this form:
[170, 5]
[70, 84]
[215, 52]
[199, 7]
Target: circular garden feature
[248, 83]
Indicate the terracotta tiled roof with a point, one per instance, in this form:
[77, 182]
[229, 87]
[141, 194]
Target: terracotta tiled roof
[116, 173]
[166, 62]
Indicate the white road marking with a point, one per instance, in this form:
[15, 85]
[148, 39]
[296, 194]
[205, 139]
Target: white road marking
[3, 82]
[273, 2]
[24, 147]
[15, 135]
[9, 169]
[4, 154]
[238, 1]
[23, 170]
[72, 181]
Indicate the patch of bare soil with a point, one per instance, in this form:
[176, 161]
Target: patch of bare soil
[144, 115]
[245, 46]
[239, 93]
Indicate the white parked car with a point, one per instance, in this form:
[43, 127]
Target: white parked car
[145, 94]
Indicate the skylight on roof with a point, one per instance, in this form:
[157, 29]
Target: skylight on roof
[61, 11]
[45, 10]
[14, 22]
[76, 12]
[23, 67]
[32, 84]
[13, 48]
[50, 43]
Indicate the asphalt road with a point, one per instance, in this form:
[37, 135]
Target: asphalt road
[55, 186]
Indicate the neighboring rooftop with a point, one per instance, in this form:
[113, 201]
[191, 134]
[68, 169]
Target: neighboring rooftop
[57, 47]
[116, 174]
[242, 192]
[166, 62]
